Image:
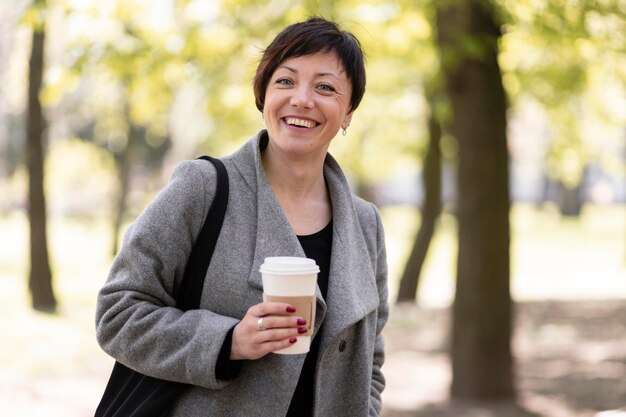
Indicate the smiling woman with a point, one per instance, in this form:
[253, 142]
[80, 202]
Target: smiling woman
[308, 38]
[288, 197]
[306, 102]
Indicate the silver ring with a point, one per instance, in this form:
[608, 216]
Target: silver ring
[259, 324]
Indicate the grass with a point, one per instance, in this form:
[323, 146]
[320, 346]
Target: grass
[551, 257]
[52, 366]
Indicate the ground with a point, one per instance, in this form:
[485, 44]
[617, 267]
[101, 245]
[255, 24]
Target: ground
[571, 362]
[570, 356]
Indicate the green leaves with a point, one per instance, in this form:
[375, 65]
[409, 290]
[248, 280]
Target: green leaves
[137, 61]
[566, 55]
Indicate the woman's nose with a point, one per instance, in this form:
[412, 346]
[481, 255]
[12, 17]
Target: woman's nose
[302, 97]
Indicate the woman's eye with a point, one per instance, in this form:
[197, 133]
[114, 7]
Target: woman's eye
[284, 81]
[326, 87]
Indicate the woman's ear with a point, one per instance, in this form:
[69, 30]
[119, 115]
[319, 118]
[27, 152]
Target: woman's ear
[346, 121]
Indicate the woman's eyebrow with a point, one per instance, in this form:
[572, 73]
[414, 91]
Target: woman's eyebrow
[319, 74]
[288, 68]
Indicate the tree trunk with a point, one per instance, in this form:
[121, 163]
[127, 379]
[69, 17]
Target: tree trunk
[40, 278]
[123, 162]
[482, 363]
[431, 208]
[570, 200]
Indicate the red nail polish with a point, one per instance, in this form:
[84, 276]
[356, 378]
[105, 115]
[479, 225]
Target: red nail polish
[293, 340]
[302, 330]
[291, 309]
[301, 322]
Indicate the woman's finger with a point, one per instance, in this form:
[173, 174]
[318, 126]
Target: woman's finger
[266, 327]
[271, 308]
[279, 322]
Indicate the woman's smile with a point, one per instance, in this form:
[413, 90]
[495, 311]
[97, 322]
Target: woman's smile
[300, 122]
[307, 101]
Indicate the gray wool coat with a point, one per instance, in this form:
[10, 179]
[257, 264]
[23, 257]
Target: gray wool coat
[138, 325]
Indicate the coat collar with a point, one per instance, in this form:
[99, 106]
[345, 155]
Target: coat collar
[352, 292]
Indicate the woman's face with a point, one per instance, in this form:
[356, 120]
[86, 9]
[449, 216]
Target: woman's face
[306, 103]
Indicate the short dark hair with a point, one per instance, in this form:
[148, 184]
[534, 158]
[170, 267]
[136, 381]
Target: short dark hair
[309, 37]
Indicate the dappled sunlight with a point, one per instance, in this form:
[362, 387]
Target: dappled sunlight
[571, 355]
[571, 362]
[417, 367]
[556, 257]
[51, 363]
[437, 278]
[415, 380]
[132, 87]
[574, 350]
[551, 257]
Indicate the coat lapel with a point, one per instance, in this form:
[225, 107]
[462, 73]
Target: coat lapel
[352, 292]
[274, 236]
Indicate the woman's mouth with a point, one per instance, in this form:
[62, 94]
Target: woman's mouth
[294, 121]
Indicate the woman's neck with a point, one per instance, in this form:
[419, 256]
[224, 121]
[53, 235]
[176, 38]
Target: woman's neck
[295, 178]
[301, 191]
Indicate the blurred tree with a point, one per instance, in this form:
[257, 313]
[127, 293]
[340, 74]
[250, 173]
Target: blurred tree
[145, 65]
[137, 70]
[133, 78]
[563, 56]
[40, 279]
[124, 160]
[482, 363]
[566, 56]
[423, 59]
[388, 135]
[431, 208]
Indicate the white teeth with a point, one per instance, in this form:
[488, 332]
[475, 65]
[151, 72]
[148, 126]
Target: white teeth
[300, 122]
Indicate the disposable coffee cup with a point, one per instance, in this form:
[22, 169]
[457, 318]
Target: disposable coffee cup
[292, 280]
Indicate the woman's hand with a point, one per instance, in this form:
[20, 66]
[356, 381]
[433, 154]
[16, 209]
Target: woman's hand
[265, 328]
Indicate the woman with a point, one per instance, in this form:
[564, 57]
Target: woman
[288, 197]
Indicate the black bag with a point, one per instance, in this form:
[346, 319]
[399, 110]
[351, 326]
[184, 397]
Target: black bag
[132, 394]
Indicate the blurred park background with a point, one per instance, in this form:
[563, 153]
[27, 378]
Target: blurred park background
[492, 136]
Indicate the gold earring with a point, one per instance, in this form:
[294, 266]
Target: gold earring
[343, 131]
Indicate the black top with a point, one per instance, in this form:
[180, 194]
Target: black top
[317, 246]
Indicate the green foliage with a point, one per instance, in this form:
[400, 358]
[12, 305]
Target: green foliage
[182, 70]
[133, 63]
[35, 15]
[389, 128]
[565, 54]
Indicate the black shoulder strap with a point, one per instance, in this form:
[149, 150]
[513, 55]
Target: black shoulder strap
[190, 290]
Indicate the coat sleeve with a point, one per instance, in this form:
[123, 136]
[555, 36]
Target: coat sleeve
[378, 379]
[137, 322]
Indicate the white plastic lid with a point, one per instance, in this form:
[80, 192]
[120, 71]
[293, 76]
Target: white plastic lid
[288, 265]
